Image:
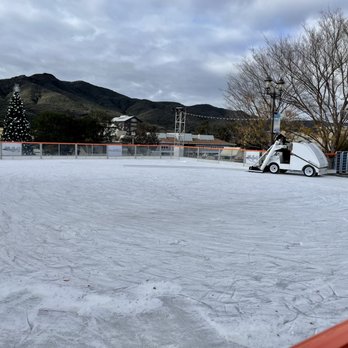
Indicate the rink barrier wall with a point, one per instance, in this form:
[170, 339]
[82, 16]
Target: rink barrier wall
[45, 150]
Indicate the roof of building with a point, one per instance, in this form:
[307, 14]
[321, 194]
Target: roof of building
[192, 139]
[123, 118]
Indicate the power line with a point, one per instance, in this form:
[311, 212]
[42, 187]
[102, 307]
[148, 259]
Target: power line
[180, 122]
[223, 118]
[181, 114]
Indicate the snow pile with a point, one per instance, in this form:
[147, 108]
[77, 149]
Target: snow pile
[168, 253]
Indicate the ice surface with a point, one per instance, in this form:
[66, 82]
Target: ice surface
[168, 253]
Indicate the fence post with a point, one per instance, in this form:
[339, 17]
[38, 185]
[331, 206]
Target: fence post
[135, 151]
[75, 151]
[0, 149]
[40, 150]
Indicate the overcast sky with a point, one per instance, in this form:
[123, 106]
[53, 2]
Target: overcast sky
[174, 50]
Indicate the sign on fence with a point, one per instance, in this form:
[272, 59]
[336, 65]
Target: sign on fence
[251, 157]
[114, 150]
[11, 149]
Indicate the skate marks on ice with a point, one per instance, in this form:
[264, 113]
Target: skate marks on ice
[152, 314]
[261, 259]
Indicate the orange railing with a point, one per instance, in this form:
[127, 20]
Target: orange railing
[334, 337]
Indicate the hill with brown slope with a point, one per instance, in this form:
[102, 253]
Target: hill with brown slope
[45, 93]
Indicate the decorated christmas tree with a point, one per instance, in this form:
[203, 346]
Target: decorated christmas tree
[16, 124]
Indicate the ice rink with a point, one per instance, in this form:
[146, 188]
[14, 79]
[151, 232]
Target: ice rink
[168, 253]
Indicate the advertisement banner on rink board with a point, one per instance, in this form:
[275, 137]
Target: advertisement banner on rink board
[114, 151]
[251, 157]
[11, 149]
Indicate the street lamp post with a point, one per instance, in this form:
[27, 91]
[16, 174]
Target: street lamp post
[275, 90]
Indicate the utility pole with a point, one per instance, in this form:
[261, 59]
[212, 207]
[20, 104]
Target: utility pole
[180, 124]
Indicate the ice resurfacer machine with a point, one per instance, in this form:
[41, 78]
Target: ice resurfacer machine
[285, 156]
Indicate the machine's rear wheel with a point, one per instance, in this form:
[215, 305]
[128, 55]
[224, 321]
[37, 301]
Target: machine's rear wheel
[308, 171]
[274, 168]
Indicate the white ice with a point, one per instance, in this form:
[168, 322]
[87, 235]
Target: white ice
[168, 253]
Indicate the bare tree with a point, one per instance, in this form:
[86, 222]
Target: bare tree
[315, 69]
[246, 92]
[245, 88]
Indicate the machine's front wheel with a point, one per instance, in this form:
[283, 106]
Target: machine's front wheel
[274, 168]
[308, 171]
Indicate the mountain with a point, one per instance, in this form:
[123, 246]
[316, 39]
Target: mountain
[44, 92]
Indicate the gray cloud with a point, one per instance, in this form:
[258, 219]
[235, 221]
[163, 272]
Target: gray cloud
[178, 50]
